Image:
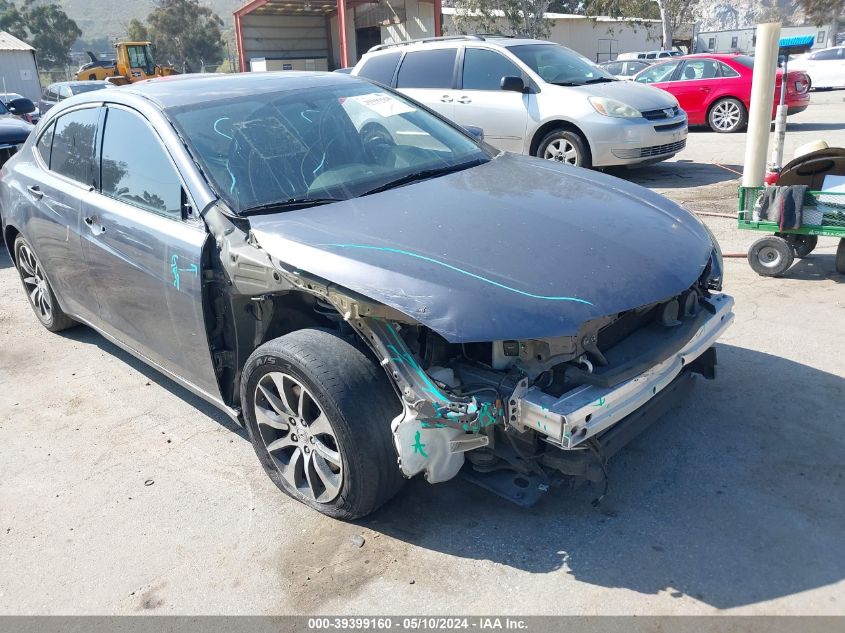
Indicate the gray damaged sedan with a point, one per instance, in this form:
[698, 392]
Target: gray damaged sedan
[369, 289]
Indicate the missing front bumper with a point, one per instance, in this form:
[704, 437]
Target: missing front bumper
[587, 410]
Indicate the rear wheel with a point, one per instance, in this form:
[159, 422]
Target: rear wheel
[803, 245]
[727, 116]
[42, 300]
[770, 256]
[318, 412]
[565, 146]
[840, 257]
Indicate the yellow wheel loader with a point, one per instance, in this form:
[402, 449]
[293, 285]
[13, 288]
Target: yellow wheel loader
[134, 63]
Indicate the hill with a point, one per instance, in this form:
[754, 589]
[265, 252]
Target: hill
[108, 18]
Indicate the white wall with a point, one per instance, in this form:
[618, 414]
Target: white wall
[419, 23]
[18, 70]
[599, 39]
[745, 38]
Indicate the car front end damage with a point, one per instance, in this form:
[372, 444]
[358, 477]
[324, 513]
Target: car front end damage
[533, 412]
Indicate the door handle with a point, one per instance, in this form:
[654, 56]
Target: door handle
[464, 100]
[446, 99]
[704, 89]
[98, 229]
[35, 192]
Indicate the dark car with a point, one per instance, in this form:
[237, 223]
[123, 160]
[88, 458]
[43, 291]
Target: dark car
[370, 306]
[54, 93]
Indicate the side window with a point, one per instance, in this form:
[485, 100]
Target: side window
[734, 41]
[700, 69]
[65, 92]
[139, 172]
[483, 69]
[727, 71]
[614, 69]
[427, 69]
[380, 68]
[73, 145]
[827, 54]
[658, 72]
[45, 143]
[711, 44]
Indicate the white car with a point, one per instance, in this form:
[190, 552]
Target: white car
[533, 97]
[826, 67]
[625, 69]
[649, 55]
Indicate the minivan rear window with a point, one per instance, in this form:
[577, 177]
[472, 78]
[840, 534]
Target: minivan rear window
[427, 69]
[380, 68]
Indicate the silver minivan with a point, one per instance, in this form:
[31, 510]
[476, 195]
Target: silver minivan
[533, 97]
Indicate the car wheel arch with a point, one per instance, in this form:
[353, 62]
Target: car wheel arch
[552, 126]
[9, 237]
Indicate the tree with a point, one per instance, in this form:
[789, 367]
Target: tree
[184, 33]
[51, 32]
[523, 18]
[671, 13]
[821, 12]
[44, 25]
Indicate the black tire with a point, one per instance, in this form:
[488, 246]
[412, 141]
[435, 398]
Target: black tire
[40, 295]
[770, 256]
[353, 393]
[803, 245]
[840, 257]
[547, 150]
[718, 116]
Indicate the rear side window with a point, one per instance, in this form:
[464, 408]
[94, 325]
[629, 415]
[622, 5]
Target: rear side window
[73, 145]
[483, 69]
[427, 69]
[380, 68]
[727, 71]
[45, 143]
[614, 68]
[139, 173]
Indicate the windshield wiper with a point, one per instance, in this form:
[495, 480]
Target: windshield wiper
[291, 204]
[600, 80]
[568, 83]
[424, 174]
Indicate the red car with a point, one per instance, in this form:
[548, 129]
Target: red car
[715, 90]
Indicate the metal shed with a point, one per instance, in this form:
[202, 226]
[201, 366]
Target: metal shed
[325, 34]
[18, 70]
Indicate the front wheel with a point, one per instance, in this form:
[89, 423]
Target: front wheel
[770, 256]
[727, 116]
[565, 146]
[318, 412]
[840, 256]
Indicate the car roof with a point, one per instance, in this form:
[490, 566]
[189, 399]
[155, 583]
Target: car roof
[499, 41]
[78, 82]
[179, 90]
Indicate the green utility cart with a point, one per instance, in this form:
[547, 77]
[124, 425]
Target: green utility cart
[770, 256]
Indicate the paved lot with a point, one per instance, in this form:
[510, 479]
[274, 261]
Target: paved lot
[122, 493]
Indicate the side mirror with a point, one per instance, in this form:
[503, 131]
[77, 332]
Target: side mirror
[476, 132]
[512, 83]
[20, 106]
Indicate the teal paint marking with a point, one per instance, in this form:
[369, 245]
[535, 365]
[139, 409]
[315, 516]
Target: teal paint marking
[601, 402]
[397, 251]
[177, 272]
[418, 446]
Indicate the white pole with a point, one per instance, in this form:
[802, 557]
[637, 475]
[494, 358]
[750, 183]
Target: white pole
[762, 100]
[780, 119]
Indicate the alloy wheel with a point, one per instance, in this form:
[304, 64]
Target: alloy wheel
[35, 283]
[726, 115]
[298, 437]
[562, 151]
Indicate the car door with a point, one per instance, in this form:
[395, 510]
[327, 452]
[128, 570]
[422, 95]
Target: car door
[144, 250]
[827, 68]
[56, 181]
[481, 102]
[429, 77]
[695, 86]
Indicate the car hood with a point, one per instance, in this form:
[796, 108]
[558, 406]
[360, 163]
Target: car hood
[635, 94]
[516, 248]
[13, 129]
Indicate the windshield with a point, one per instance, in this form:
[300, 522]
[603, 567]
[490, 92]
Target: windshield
[264, 151]
[78, 89]
[559, 65]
